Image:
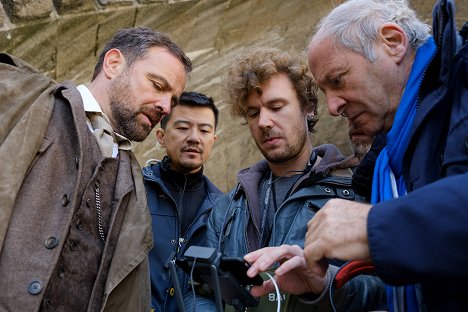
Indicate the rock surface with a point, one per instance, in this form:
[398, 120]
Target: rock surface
[63, 37]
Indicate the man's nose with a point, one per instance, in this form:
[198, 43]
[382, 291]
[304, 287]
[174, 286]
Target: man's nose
[193, 136]
[264, 119]
[165, 103]
[335, 104]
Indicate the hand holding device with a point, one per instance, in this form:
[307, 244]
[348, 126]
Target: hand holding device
[226, 276]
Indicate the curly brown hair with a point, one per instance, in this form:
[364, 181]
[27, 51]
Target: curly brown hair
[248, 71]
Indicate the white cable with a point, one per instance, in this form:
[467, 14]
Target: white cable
[193, 285]
[278, 294]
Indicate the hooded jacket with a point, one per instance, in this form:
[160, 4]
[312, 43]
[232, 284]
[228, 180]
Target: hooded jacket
[234, 223]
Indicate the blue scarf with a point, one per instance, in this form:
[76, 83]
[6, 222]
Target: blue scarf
[388, 179]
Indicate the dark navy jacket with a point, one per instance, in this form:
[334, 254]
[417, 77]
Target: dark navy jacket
[168, 241]
[423, 237]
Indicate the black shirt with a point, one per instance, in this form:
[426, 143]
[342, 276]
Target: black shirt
[188, 191]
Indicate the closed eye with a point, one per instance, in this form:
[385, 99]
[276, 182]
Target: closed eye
[276, 107]
[336, 81]
[157, 86]
[251, 113]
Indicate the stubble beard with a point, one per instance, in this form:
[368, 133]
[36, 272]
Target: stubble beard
[121, 101]
[360, 149]
[190, 164]
[289, 151]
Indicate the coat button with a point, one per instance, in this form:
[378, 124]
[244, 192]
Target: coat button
[51, 242]
[61, 273]
[47, 304]
[88, 203]
[73, 246]
[65, 200]
[345, 192]
[35, 287]
[327, 190]
[77, 162]
[78, 225]
[173, 241]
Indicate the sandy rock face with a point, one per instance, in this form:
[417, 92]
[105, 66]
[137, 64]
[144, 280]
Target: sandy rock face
[62, 38]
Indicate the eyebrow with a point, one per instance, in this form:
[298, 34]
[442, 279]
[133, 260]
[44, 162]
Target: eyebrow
[178, 122]
[335, 72]
[324, 79]
[278, 99]
[270, 102]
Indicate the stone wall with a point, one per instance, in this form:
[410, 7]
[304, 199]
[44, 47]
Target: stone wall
[63, 37]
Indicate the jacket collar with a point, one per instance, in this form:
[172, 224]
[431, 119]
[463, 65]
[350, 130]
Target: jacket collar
[249, 181]
[176, 180]
[330, 159]
[152, 172]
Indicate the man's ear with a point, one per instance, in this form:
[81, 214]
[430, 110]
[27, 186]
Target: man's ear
[160, 137]
[394, 40]
[114, 63]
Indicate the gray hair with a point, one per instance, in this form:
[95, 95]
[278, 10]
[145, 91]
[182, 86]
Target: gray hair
[355, 24]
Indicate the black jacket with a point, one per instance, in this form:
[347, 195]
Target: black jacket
[169, 242]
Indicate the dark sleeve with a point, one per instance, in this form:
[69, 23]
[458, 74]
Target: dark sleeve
[216, 221]
[362, 293]
[422, 236]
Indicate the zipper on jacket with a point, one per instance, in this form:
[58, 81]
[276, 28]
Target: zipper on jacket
[181, 241]
[423, 76]
[180, 208]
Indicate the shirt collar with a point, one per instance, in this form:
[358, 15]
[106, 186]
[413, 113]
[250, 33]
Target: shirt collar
[89, 102]
[91, 105]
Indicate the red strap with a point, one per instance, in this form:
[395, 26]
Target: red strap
[352, 269]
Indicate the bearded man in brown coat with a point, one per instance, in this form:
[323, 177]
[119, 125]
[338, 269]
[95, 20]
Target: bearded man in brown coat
[74, 226]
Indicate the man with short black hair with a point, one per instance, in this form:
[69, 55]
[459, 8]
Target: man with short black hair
[180, 197]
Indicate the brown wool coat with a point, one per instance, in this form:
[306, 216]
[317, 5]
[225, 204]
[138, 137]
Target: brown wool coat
[27, 100]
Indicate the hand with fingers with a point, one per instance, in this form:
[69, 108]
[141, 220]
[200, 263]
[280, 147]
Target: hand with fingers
[337, 231]
[292, 276]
